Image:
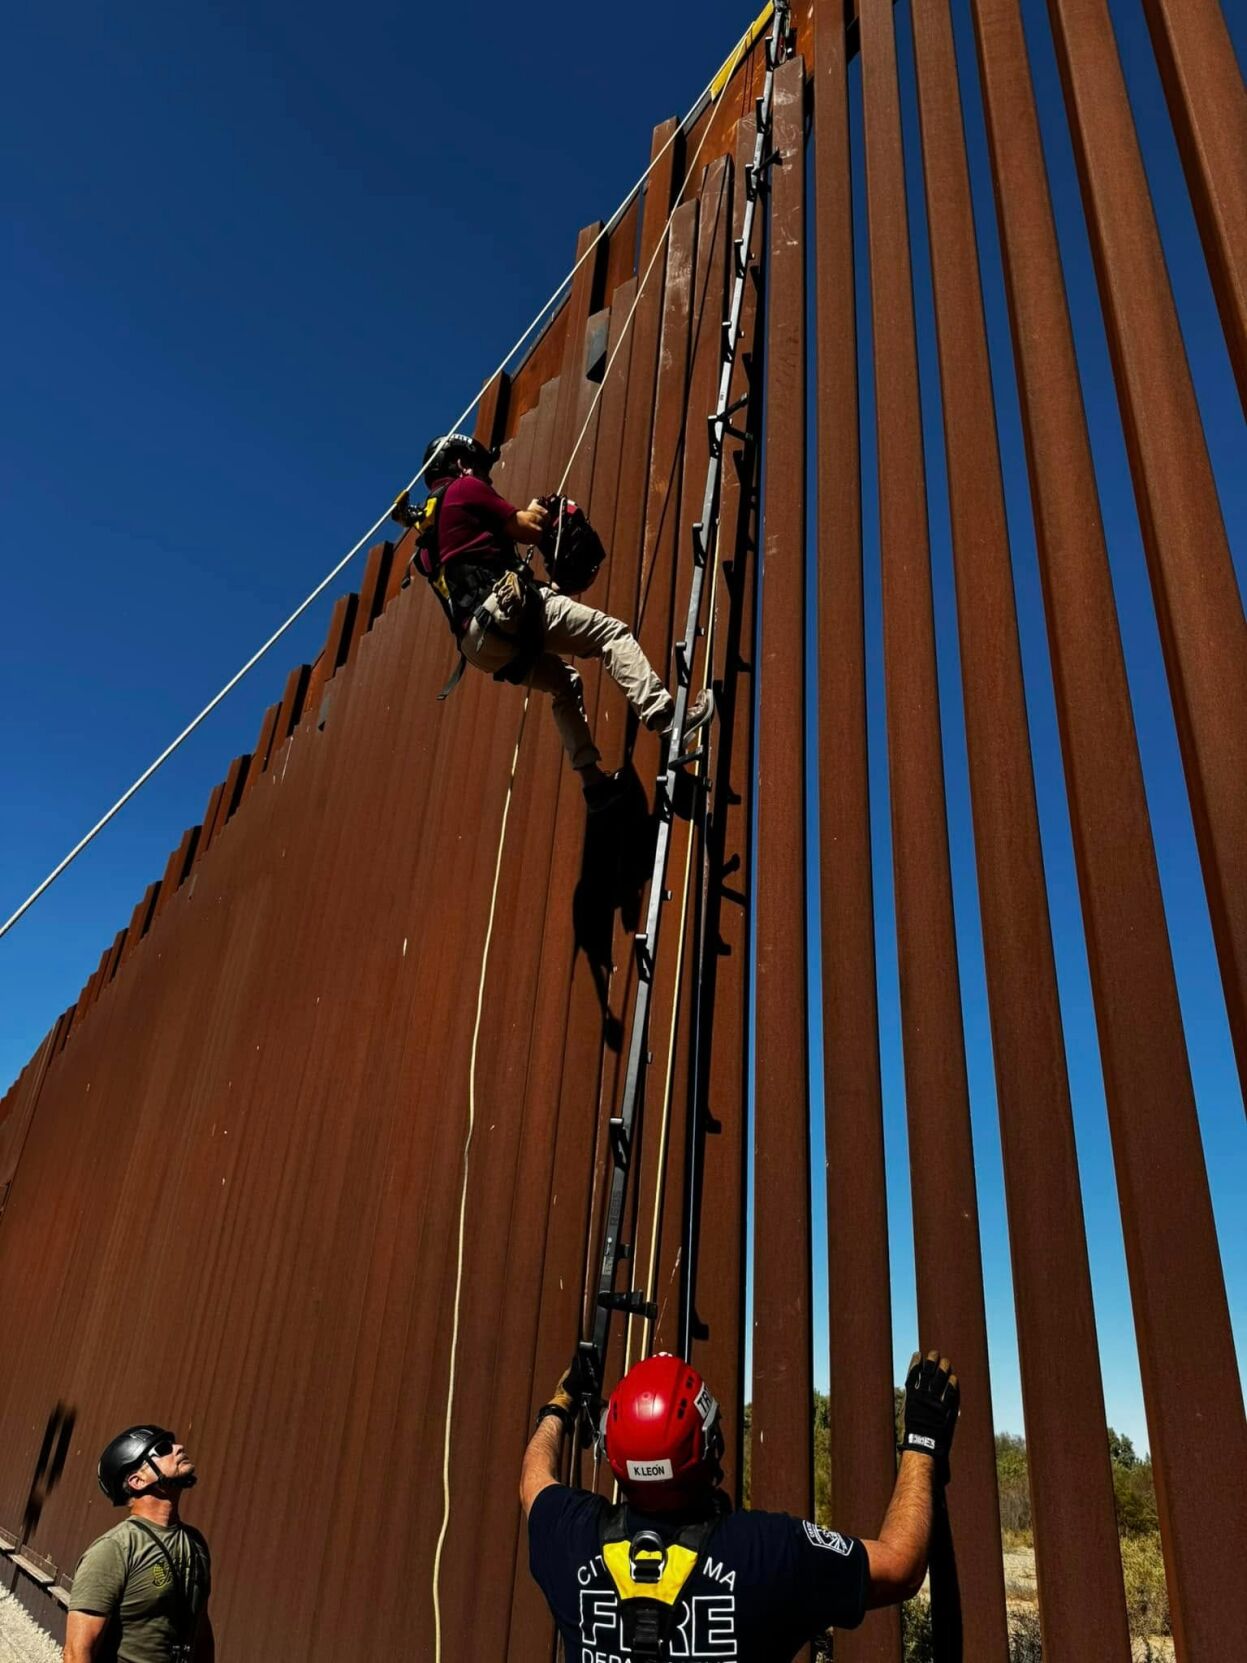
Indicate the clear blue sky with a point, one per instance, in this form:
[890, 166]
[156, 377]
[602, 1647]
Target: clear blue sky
[231, 325]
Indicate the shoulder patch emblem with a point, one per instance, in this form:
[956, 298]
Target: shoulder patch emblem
[830, 1539]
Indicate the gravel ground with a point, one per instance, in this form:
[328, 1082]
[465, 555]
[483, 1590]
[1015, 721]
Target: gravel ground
[21, 1638]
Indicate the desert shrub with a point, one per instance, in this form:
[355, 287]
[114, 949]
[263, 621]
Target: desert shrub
[917, 1642]
[1025, 1640]
[1013, 1483]
[1135, 1496]
[1147, 1598]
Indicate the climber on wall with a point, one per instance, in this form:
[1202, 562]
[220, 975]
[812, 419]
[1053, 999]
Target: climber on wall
[673, 1559]
[141, 1589]
[521, 631]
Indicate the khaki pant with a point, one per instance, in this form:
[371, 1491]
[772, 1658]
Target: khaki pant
[579, 632]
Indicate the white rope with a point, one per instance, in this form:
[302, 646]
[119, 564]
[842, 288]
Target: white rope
[373, 528]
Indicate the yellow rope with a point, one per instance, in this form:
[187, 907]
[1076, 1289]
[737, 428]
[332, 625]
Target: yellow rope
[463, 1194]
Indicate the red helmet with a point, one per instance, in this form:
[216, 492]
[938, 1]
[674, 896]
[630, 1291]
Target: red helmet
[662, 1436]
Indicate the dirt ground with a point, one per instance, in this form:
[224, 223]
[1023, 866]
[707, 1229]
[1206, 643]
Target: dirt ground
[21, 1638]
[1021, 1589]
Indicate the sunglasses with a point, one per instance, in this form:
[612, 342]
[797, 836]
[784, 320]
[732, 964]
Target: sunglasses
[163, 1447]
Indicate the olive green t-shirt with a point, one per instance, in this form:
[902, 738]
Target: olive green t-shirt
[124, 1575]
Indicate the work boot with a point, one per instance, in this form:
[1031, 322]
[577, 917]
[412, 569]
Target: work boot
[699, 712]
[602, 792]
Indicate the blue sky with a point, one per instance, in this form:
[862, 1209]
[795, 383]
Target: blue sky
[256, 257]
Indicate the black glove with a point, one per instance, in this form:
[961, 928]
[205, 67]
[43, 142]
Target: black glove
[932, 1399]
[581, 1379]
[402, 510]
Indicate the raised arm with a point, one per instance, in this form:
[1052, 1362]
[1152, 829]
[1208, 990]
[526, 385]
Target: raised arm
[542, 1459]
[527, 524]
[898, 1558]
[544, 1456]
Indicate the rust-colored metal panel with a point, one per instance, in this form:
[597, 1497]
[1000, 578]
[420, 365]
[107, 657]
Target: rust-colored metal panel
[114, 956]
[372, 591]
[333, 654]
[621, 257]
[1190, 1380]
[1204, 88]
[941, 1158]
[491, 412]
[584, 299]
[293, 698]
[177, 866]
[211, 822]
[263, 748]
[141, 919]
[588, 412]
[719, 1270]
[403, 551]
[608, 438]
[232, 788]
[861, 1424]
[1079, 1566]
[634, 459]
[782, 1474]
[1202, 628]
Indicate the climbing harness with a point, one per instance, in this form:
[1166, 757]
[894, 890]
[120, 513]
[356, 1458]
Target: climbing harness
[465, 583]
[633, 1300]
[649, 1573]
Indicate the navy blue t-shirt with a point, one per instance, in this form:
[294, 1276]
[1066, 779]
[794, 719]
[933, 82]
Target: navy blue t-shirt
[766, 1583]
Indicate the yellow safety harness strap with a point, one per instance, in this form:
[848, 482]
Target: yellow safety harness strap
[649, 1574]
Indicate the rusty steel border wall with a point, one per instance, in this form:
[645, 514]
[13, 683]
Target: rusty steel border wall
[230, 1176]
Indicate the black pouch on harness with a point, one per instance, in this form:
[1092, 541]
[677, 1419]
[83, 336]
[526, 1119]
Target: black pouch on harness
[571, 550]
[521, 617]
[464, 583]
[649, 1574]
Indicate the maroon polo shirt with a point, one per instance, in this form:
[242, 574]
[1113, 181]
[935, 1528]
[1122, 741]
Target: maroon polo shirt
[470, 521]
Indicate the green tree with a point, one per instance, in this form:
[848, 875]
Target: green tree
[1121, 1450]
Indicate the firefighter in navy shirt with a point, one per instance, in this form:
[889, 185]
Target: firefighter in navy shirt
[672, 1572]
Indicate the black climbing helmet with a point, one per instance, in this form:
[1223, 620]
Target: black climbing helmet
[442, 453]
[571, 550]
[125, 1454]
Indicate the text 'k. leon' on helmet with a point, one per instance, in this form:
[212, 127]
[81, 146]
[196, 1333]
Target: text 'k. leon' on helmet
[127, 1452]
[662, 1434]
[443, 453]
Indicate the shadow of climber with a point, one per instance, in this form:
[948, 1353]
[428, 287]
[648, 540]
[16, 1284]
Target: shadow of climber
[49, 1466]
[615, 865]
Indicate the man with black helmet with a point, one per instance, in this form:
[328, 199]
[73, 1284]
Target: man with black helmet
[140, 1591]
[672, 1571]
[514, 628]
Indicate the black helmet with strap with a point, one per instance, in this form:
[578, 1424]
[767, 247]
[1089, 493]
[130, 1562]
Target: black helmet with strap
[126, 1454]
[442, 454]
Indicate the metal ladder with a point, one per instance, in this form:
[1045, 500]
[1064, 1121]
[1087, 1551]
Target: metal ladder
[615, 1251]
